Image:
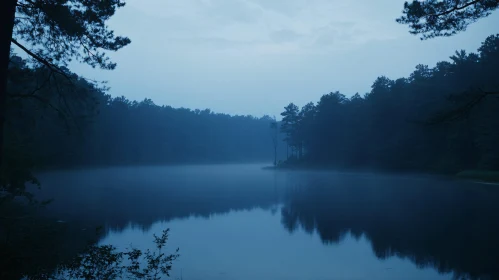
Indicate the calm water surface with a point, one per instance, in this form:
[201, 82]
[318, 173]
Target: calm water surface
[242, 222]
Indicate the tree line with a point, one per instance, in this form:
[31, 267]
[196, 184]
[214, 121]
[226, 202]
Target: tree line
[53, 33]
[441, 119]
[74, 123]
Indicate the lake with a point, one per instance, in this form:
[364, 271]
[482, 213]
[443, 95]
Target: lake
[242, 222]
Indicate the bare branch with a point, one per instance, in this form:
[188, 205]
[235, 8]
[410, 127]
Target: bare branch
[46, 102]
[87, 49]
[51, 66]
[29, 1]
[463, 110]
[43, 83]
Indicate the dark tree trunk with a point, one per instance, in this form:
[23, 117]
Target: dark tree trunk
[275, 155]
[7, 16]
[300, 150]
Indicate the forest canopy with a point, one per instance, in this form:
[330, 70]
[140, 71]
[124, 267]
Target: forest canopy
[441, 119]
[78, 124]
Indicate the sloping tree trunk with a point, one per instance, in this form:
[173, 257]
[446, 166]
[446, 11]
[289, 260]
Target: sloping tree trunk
[7, 16]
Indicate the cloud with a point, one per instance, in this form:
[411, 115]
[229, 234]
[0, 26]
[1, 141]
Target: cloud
[260, 26]
[284, 35]
[230, 11]
[253, 56]
[340, 35]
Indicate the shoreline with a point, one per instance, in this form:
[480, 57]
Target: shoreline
[488, 177]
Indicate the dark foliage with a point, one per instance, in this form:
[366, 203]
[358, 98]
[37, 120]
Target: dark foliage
[62, 30]
[440, 119]
[107, 263]
[434, 18]
[74, 123]
[52, 33]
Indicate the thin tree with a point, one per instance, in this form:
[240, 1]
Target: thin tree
[288, 125]
[275, 137]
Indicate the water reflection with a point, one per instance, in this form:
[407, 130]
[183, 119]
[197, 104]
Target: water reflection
[115, 197]
[251, 244]
[450, 226]
[213, 211]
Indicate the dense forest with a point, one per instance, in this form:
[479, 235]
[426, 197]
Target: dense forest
[73, 122]
[438, 119]
[441, 119]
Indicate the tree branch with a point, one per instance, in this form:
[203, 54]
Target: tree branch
[87, 49]
[456, 8]
[43, 84]
[489, 92]
[23, 5]
[51, 66]
[463, 110]
[31, 2]
[44, 101]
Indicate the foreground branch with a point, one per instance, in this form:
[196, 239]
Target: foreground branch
[456, 8]
[463, 110]
[49, 65]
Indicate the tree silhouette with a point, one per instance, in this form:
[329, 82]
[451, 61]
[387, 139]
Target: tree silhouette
[57, 32]
[435, 18]
[105, 130]
[433, 120]
[275, 137]
[289, 124]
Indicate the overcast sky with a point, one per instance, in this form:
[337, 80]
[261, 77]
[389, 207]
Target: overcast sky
[256, 56]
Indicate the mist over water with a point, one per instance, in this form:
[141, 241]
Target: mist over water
[265, 139]
[241, 222]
